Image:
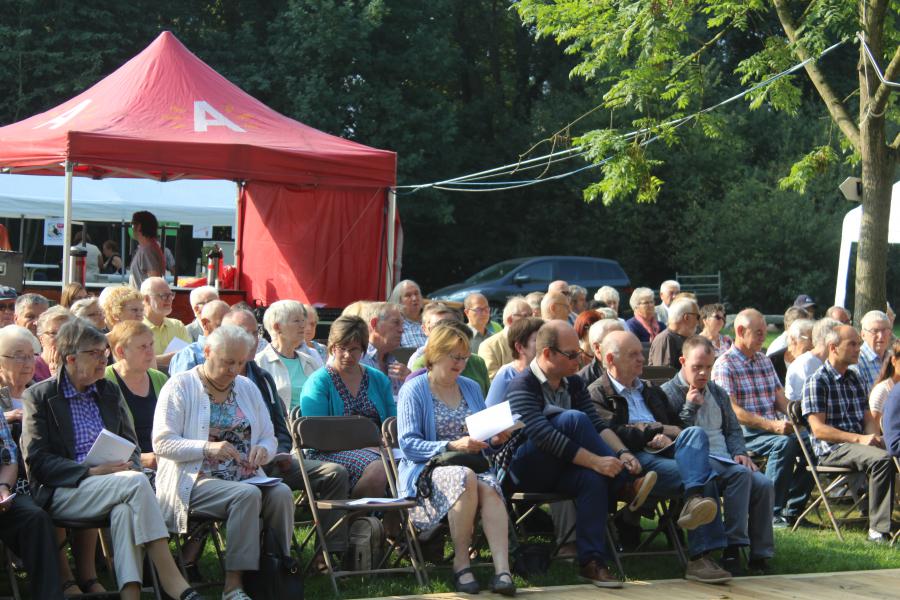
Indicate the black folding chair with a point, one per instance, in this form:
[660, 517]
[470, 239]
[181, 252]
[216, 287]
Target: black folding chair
[666, 512]
[202, 526]
[839, 476]
[336, 434]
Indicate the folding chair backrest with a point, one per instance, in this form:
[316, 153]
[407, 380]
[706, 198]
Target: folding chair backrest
[658, 373]
[798, 421]
[294, 414]
[389, 431]
[334, 434]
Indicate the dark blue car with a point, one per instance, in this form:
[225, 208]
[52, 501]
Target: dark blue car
[519, 276]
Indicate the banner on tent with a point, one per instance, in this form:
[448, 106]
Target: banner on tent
[53, 231]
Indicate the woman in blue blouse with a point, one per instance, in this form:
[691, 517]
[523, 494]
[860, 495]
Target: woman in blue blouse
[432, 420]
[521, 337]
[345, 388]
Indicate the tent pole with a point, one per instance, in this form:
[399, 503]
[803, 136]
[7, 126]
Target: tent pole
[21, 233]
[238, 238]
[67, 217]
[391, 240]
[122, 247]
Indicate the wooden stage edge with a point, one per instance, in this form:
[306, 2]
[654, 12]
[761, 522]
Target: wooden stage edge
[845, 585]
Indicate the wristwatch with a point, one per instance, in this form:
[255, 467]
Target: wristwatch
[622, 451]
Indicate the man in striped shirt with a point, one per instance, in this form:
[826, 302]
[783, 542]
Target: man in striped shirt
[568, 449]
[759, 403]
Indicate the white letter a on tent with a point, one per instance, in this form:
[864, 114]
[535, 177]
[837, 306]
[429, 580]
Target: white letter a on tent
[64, 117]
[205, 115]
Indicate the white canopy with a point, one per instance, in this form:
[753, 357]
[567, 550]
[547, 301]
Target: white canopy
[850, 234]
[188, 201]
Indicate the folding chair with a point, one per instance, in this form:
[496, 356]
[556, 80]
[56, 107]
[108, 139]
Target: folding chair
[658, 375]
[840, 475]
[335, 434]
[206, 525]
[666, 512]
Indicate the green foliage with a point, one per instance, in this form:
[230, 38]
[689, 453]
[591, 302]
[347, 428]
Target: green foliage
[813, 165]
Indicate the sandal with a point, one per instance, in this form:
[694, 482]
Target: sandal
[465, 588]
[503, 584]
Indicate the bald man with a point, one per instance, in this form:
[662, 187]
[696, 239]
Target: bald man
[757, 397]
[555, 305]
[478, 316]
[495, 350]
[187, 358]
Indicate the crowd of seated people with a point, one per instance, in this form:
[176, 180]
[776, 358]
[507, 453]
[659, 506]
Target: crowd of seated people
[208, 417]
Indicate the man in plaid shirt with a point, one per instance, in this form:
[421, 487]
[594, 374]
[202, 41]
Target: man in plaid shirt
[876, 333]
[759, 403]
[844, 431]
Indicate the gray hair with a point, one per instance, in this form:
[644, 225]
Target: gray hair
[53, 315]
[147, 284]
[29, 299]
[379, 311]
[226, 335]
[512, 305]
[608, 313]
[800, 328]
[607, 294]
[577, 290]
[601, 328]
[794, 313]
[821, 330]
[279, 312]
[669, 284]
[681, 307]
[81, 306]
[868, 318]
[400, 288]
[12, 334]
[833, 337]
[203, 289]
[311, 312]
[639, 294]
[76, 335]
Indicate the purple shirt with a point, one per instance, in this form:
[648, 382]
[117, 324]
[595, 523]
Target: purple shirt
[85, 415]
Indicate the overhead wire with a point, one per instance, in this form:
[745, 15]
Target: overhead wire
[464, 183]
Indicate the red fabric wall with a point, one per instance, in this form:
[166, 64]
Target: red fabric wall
[313, 245]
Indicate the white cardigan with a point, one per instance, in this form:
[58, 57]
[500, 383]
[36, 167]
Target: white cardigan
[181, 430]
[270, 361]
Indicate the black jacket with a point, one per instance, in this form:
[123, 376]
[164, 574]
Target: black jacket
[269, 392]
[614, 408]
[48, 435]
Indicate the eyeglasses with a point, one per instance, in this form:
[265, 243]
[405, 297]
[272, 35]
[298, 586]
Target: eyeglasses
[96, 354]
[522, 315]
[460, 357]
[645, 302]
[570, 355]
[355, 351]
[717, 317]
[880, 331]
[49, 334]
[478, 309]
[166, 296]
[693, 315]
[20, 358]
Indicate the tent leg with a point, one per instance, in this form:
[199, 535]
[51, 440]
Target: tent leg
[391, 241]
[67, 217]
[122, 246]
[238, 238]
[22, 233]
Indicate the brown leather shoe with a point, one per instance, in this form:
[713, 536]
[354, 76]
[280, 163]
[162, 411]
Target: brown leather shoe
[697, 511]
[599, 575]
[635, 492]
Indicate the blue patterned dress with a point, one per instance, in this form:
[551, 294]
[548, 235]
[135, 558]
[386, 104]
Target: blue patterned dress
[228, 423]
[355, 461]
[448, 483]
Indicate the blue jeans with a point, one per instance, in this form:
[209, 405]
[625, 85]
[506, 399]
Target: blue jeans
[793, 483]
[533, 470]
[689, 469]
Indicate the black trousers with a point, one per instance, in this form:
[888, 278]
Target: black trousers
[28, 531]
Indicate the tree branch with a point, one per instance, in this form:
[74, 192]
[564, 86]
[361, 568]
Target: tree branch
[882, 92]
[835, 107]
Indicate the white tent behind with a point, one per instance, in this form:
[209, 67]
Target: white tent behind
[850, 235]
[189, 201]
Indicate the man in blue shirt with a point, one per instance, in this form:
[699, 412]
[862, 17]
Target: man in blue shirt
[192, 355]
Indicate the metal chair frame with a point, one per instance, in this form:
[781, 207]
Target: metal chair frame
[666, 512]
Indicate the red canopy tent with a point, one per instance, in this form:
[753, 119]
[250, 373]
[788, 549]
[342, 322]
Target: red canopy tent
[316, 218]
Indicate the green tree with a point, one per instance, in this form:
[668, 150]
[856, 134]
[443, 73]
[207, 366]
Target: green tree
[664, 59]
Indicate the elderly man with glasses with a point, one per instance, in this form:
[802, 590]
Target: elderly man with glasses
[158, 297]
[478, 315]
[665, 350]
[876, 334]
[199, 298]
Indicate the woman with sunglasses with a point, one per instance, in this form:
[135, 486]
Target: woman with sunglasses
[713, 318]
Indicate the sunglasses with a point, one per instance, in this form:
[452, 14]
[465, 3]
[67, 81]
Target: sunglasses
[570, 355]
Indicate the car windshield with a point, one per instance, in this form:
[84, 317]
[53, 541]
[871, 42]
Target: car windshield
[495, 271]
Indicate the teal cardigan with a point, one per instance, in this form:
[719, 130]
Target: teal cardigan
[320, 398]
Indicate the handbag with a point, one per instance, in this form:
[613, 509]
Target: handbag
[452, 458]
[278, 576]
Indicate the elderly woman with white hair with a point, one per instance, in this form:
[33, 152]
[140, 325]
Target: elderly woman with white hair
[408, 295]
[49, 323]
[211, 432]
[285, 321]
[609, 296]
[89, 308]
[799, 340]
[644, 323]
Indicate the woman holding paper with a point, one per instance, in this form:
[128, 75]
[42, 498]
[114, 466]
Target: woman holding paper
[211, 432]
[344, 388]
[431, 422]
[63, 418]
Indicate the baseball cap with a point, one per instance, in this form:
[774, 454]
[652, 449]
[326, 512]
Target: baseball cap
[804, 301]
[7, 293]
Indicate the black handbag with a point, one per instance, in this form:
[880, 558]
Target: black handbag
[452, 458]
[278, 576]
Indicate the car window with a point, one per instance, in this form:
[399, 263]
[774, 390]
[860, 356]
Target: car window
[495, 271]
[588, 270]
[539, 271]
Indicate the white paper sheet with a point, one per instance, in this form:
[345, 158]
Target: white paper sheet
[262, 481]
[108, 448]
[175, 345]
[487, 423]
